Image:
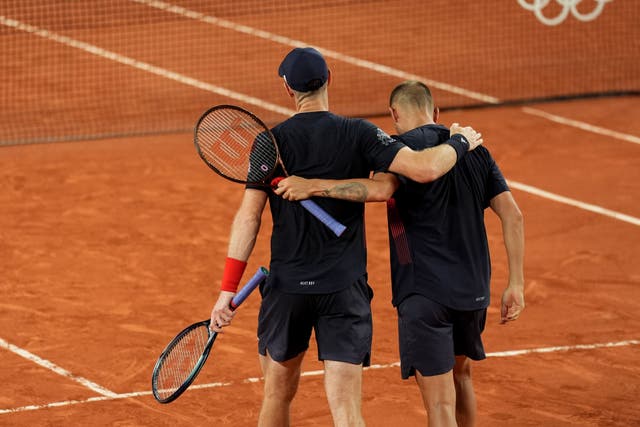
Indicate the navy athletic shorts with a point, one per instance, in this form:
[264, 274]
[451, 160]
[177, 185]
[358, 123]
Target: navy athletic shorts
[341, 321]
[431, 335]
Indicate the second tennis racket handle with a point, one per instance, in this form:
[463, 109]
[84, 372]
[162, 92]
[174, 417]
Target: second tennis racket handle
[253, 283]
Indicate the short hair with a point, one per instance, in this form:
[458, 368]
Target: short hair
[413, 93]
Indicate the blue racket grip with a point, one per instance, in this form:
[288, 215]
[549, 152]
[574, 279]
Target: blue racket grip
[323, 216]
[253, 283]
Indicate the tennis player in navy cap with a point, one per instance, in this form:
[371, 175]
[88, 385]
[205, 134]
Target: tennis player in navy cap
[318, 282]
[304, 70]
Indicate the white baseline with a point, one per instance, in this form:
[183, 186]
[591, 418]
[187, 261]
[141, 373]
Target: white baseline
[57, 369]
[509, 353]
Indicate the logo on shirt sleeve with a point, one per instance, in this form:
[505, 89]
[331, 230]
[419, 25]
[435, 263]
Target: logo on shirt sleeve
[384, 138]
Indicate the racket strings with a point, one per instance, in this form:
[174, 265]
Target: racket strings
[180, 361]
[236, 145]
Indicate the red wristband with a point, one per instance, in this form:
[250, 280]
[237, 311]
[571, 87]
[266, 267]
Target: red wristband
[233, 270]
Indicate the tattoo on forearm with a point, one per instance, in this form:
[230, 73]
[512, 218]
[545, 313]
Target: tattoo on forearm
[354, 192]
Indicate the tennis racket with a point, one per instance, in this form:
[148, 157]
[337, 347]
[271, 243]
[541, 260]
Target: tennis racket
[238, 146]
[182, 359]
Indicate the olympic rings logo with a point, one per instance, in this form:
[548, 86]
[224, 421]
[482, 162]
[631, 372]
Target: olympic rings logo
[568, 6]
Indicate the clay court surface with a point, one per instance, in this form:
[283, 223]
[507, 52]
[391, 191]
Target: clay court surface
[109, 247]
[112, 246]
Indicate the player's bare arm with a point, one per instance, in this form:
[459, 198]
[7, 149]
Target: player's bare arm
[244, 232]
[379, 188]
[430, 164]
[505, 207]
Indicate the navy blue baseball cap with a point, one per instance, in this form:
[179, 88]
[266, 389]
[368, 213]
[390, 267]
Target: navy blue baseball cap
[304, 69]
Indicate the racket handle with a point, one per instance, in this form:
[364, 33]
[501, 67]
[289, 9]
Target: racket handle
[253, 283]
[323, 216]
[317, 211]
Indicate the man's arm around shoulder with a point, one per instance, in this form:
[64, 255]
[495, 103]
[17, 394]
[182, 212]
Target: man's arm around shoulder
[430, 164]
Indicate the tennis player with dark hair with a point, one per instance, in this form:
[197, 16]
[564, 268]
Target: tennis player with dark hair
[440, 261]
[317, 281]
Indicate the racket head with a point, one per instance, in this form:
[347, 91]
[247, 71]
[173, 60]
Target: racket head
[181, 361]
[236, 144]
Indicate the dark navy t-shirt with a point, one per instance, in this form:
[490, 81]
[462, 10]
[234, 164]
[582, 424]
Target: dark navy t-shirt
[437, 236]
[306, 257]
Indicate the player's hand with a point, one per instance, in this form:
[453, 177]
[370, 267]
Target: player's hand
[221, 314]
[512, 303]
[474, 138]
[294, 188]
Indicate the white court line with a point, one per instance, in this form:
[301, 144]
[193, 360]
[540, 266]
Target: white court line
[383, 69]
[576, 203]
[57, 369]
[510, 353]
[95, 50]
[287, 112]
[582, 125]
[113, 56]
[290, 42]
